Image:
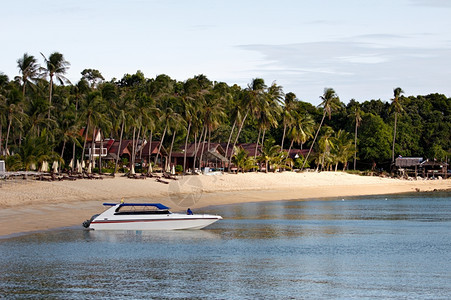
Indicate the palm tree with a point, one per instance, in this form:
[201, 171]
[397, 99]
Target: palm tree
[326, 147]
[287, 116]
[241, 160]
[190, 101]
[330, 102]
[357, 114]
[268, 109]
[397, 107]
[343, 148]
[55, 66]
[91, 113]
[302, 128]
[250, 98]
[269, 153]
[29, 68]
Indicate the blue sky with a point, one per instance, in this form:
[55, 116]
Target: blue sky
[361, 48]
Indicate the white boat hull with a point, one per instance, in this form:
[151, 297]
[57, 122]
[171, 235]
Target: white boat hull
[160, 222]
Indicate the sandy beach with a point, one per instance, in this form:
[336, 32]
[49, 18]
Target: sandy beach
[27, 205]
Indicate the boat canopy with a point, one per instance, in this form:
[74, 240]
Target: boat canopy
[157, 205]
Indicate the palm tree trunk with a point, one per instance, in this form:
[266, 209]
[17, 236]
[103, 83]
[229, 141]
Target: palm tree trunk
[283, 136]
[256, 145]
[100, 155]
[394, 139]
[170, 150]
[62, 152]
[355, 146]
[203, 147]
[161, 144]
[186, 147]
[73, 157]
[239, 132]
[84, 143]
[316, 135]
[291, 146]
[132, 158]
[119, 149]
[195, 153]
[7, 135]
[149, 167]
[93, 147]
[230, 138]
[50, 94]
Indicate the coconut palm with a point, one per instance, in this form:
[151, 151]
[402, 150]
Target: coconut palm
[302, 128]
[249, 100]
[29, 68]
[326, 145]
[55, 67]
[242, 160]
[343, 148]
[268, 109]
[357, 116]
[91, 113]
[287, 115]
[330, 102]
[396, 105]
[269, 152]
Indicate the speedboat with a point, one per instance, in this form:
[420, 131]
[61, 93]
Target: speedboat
[146, 216]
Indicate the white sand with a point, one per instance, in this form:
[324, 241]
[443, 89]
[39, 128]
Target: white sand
[33, 205]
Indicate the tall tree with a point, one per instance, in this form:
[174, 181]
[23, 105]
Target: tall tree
[29, 68]
[55, 67]
[330, 102]
[287, 114]
[356, 115]
[396, 105]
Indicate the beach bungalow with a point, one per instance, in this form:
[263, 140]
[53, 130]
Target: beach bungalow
[434, 169]
[408, 166]
[212, 156]
[414, 166]
[148, 152]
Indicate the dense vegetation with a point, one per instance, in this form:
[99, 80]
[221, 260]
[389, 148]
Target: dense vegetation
[40, 120]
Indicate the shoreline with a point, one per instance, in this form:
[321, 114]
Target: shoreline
[32, 206]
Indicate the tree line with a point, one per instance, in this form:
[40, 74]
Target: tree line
[42, 112]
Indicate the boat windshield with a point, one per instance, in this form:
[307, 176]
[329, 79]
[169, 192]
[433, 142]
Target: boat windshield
[139, 210]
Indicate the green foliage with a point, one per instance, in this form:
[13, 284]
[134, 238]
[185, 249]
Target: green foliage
[375, 139]
[40, 117]
[242, 161]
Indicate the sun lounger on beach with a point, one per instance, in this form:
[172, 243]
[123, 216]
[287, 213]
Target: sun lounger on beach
[162, 181]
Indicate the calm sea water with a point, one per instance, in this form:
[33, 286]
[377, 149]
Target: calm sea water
[386, 247]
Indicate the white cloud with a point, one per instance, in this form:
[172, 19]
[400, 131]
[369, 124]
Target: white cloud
[355, 69]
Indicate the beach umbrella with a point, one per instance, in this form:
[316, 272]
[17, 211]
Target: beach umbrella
[33, 166]
[132, 169]
[71, 164]
[79, 168]
[55, 167]
[89, 168]
[83, 165]
[45, 166]
[149, 170]
[173, 170]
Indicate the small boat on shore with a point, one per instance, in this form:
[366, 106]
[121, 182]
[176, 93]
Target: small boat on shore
[146, 216]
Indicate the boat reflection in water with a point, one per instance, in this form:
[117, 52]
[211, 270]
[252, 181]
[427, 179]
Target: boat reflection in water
[146, 216]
